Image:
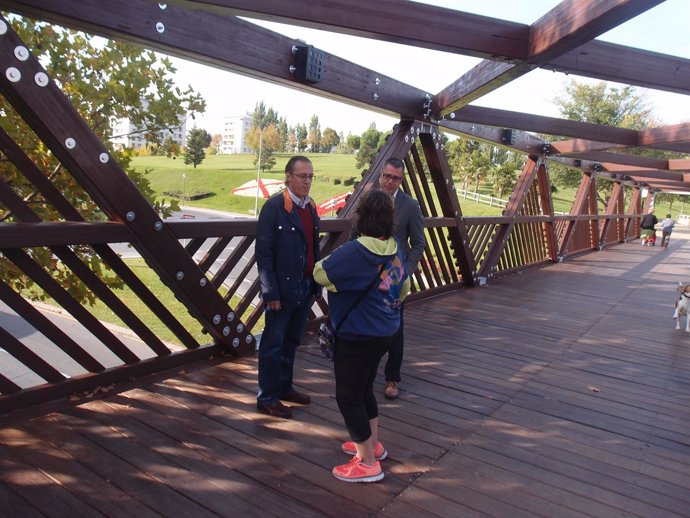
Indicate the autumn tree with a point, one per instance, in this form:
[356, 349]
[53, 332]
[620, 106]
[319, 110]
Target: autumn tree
[329, 140]
[314, 135]
[269, 141]
[104, 80]
[301, 137]
[197, 142]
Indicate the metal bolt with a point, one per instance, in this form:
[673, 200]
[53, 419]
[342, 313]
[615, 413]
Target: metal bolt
[436, 145]
[293, 68]
[377, 81]
[226, 331]
[13, 74]
[235, 342]
[21, 53]
[240, 328]
[456, 213]
[452, 115]
[3, 28]
[158, 225]
[103, 157]
[179, 275]
[130, 216]
[248, 339]
[203, 282]
[70, 143]
[231, 316]
[162, 6]
[294, 49]
[160, 27]
[216, 319]
[41, 79]
[407, 138]
[376, 96]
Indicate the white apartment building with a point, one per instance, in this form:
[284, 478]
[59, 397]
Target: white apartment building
[235, 130]
[126, 134]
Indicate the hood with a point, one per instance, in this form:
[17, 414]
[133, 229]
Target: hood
[377, 250]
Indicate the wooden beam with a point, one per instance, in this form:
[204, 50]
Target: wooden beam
[563, 29]
[396, 21]
[230, 44]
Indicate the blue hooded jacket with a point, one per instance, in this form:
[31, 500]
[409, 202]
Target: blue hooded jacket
[349, 271]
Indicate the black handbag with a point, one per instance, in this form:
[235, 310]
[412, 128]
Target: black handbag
[327, 333]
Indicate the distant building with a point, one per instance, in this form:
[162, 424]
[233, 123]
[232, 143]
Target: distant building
[235, 130]
[126, 134]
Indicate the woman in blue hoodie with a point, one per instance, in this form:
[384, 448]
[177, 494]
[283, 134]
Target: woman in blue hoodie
[367, 281]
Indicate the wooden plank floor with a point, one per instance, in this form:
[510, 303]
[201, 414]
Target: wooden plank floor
[559, 392]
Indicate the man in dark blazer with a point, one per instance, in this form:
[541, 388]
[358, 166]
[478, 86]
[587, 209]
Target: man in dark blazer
[409, 230]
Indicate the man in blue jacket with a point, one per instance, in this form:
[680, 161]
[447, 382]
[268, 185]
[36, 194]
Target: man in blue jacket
[286, 249]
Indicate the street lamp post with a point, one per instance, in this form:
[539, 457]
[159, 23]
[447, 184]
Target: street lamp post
[258, 175]
[184, 177]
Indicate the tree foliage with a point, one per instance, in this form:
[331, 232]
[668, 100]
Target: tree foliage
[604, 105]
[329, 140]
[197, 142]
[268, 141]
[314, 136]
[368, 146]
[104, 80]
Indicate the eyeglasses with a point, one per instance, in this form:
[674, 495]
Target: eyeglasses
[304, 177]
[391, 177]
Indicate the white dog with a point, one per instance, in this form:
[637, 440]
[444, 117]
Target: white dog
[682, 306]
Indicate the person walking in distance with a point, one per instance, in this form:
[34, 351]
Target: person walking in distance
[409, 231]
[287, 236]
[667, 225]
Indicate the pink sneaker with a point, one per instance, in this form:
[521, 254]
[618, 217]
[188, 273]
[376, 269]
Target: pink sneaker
[357, 471]
[380, 452]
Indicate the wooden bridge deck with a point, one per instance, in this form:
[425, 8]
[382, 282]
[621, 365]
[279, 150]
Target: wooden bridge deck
[559, 392]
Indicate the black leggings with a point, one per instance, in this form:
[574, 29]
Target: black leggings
[356, 364]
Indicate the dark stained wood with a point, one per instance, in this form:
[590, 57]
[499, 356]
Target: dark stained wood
[572, 403]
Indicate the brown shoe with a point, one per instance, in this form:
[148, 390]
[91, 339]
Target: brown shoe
[391, 391]
[276, 409]
[296, 397]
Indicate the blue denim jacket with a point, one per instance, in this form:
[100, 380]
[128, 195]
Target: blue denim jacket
[281, 252]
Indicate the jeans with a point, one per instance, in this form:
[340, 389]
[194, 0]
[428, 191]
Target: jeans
[355, 365]
[279, 341]
[395, 354]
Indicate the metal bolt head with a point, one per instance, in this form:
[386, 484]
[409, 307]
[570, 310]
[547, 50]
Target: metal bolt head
[203, 281]
[21, 53]
[240, 328]
[248, 339]
[13, 74]
[376, 97]
[160, 27]
[70, 143]
[158, 225]
[103, 157]
[452, 115]
[235, 342]
[3, 28]
[41, 79]
[216, 319]
[226, 331]
[378, 81]
[131, 216]
[162, 6]
[179, 275]
[293, 68]
[231, 316]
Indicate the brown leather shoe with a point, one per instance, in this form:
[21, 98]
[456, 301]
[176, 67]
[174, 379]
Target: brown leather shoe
[296, 397]
[391, 391]
[276, 409]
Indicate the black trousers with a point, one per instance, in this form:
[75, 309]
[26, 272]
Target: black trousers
[356, 364]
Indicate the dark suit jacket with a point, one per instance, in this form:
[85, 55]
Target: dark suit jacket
[409, 229]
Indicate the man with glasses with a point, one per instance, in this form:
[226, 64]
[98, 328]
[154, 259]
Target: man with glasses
[409, 231]
[287, 236]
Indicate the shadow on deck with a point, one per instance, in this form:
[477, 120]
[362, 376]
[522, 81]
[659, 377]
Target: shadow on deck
[563, 391]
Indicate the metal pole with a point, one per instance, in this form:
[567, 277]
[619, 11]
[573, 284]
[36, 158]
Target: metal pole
[258, 175]
[184, 177]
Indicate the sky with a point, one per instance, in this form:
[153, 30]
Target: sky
[229, 94]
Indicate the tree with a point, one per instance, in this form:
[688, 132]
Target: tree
[217, 141]
[170, 148]
[197, 142]
[104, 80]
[353, 142]
[599, 104]
[369, 146]
[270, 143]
[329, 140]
[314, 136]
[301, 134]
